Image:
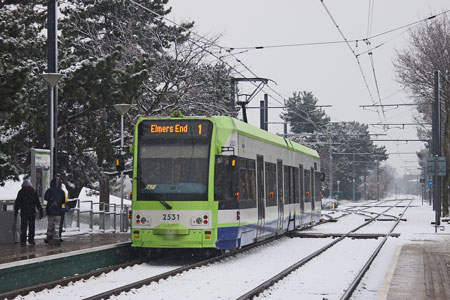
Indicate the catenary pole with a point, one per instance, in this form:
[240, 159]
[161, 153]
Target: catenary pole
[436, 134]
[266, 112]
[261, 115]
[378, 180]
[331, 170]
[52, 67]
[353, 178]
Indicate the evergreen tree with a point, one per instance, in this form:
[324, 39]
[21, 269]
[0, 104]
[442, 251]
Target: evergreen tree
[22, 105]
[303, 115]
[110, 52]
[352, 150]
[312, 127]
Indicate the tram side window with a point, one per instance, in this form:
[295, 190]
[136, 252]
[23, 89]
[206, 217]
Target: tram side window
[302, 187]
[247, 183]
[271, 184]
[318, 188]
[223, 185]
[308, 186]
[280, 179]
[296, 187]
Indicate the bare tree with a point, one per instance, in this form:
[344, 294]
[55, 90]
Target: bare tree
[429, 51]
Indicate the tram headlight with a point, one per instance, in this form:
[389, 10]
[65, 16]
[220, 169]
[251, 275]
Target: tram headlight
[200, 220]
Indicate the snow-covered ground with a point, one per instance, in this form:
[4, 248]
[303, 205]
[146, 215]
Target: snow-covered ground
[323, 277]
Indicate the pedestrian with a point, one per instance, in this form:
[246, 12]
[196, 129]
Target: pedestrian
[56, 200]
[63, 213]
[27, 201]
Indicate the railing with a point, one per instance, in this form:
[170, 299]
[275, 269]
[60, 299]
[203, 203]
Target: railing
[103, 212]
[7, 205]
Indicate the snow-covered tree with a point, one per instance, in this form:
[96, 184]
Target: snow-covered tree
[349, 142]
[303, 115]
[22, 91]
[110, 51]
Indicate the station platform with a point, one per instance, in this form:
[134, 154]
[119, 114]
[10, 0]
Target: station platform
[71, 243]
[419, 271]
[23, 268]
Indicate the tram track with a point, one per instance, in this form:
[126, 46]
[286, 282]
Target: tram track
[348, 292]
[66, 280]
[179, 270]
[156, 278]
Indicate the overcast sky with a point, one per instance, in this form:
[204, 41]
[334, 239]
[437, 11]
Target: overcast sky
[329, 71]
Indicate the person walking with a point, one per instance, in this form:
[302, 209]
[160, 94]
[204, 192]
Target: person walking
[56, 200]
[65, 207]
[27, 201]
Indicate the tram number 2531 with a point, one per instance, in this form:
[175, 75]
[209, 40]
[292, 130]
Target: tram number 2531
[171, 217]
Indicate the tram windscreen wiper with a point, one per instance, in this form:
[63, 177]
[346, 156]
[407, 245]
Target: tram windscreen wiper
[166, 205]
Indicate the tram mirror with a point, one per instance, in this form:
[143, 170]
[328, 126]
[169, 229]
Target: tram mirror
[322, 176]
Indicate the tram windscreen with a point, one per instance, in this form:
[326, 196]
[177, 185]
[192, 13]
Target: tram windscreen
[173, 160]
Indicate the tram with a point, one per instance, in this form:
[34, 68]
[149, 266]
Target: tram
[217, 182]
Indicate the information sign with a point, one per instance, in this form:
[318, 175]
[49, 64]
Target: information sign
[436, 166]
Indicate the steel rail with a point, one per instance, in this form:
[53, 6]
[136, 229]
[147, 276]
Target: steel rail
[270, 282]
[66, 280]
[348, 293]
[345, 212]
[149, 280]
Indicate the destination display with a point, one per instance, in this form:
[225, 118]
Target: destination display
[161, 128]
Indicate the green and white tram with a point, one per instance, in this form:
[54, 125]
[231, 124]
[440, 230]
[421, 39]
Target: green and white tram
[217, 182]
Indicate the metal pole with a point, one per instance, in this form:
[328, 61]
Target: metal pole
[331, 171]
[365, 182]
[52, 136]
[261, 115]
[353, 178]
[285, 130]
[233, 93]
[52, 67]
[436, 134]
[266, 112]
[121, 176]
[378, 180]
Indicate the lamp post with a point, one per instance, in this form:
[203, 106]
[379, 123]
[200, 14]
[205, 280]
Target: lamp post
[51, 79]
[121, 109]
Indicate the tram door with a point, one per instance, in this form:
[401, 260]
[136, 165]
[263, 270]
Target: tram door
[313, 192]
[280, 194]
[289, 195]
[260, 184]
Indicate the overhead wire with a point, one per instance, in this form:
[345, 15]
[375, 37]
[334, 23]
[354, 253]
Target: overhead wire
[213, 43]
[208, 51]
[353, 52]
[261, 47]
[372, 62]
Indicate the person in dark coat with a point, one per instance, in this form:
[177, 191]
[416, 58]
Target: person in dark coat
[56, 200]
[27, 201]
